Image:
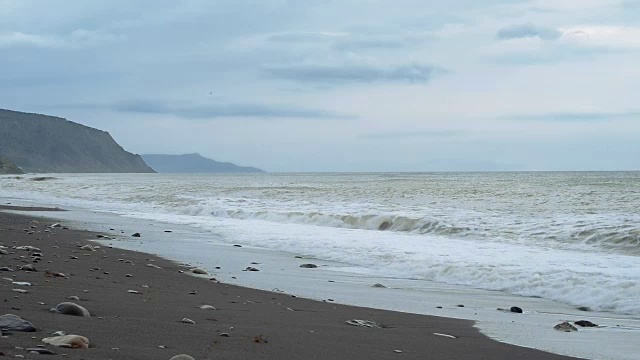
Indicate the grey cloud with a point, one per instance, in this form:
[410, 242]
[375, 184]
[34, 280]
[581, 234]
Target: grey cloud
[303, 37]
[576, 116]
[222, 110]
[74, 39]
[528, 31]
[429, 134]
[354, 74]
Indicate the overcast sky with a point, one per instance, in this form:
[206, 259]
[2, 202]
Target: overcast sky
[338, 85]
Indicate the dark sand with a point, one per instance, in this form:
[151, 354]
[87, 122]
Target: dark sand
[134, 326]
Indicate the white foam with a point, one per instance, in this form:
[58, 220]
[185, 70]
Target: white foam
[350, 284]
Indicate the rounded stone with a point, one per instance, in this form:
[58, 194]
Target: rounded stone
[182, 357]
[68, 341]
[69, 308]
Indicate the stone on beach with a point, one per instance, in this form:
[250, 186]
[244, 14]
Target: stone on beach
[363, 323]
[207, 307]
[516, 309]
[585, 323]
[565, 326]
[68, 341]
[182, 357]
[40, 350]
[10, 322]
[136, 235]
[28, 267]
[188, 321]
[378, 286]
[69, 308]
[309, 266]
[50, 273]
[199, 271]
[249, 268]
[28, 248]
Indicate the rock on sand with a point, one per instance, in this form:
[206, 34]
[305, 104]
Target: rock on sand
[68, 341]
[182, 357]
[10, 322]
[69, 308]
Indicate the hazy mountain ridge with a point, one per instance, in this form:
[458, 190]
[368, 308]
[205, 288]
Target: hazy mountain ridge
[193, 164]
[42, 143]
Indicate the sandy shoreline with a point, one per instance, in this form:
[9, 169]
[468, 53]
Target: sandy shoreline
[148, 325]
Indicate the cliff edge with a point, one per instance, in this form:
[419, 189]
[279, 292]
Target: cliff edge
[44, 144]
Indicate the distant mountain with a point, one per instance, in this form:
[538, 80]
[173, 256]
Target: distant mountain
[7, 167]
[193, 164]
[41, 143]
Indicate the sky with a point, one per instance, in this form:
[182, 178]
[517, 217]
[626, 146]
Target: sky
[328, 85]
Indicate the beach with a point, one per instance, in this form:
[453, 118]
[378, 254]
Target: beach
[246, 323]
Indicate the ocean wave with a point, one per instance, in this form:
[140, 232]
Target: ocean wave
[397, 223]
[624, 237]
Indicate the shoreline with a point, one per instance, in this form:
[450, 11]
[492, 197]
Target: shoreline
[293, 327]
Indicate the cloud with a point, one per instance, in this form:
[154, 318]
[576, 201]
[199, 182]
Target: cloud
[428, 134]
[625, 37]
[354, 74]
[206, 111]
[528, 31]
[568, 6]
[594, 116]
[305, 37]
[76, 38]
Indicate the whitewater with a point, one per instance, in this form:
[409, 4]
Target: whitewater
[568, 237]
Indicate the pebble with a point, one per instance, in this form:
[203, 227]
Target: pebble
[378, 286]
[182, 357]
[135, 235]
[565, 326]
[249, 268]
[69, 308]
[224, 334]
[133, 292]
[12, 322]
[207, 307]
[68, 341]
[199, 271]
[28, 267]
[128, 275]
[585, 323]
[73, 298]
[397, 351]
[188, 321]
[516, 309]
[39, 350]
[309, 266]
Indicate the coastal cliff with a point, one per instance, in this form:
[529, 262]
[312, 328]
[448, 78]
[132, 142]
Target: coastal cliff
[193, 164]
[45, 144]
[7, 167]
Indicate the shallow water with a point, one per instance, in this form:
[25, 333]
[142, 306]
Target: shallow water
[567, 237]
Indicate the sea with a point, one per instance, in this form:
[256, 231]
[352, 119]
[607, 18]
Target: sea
[572, 238]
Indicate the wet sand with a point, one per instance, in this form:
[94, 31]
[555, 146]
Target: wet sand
[147, 325]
